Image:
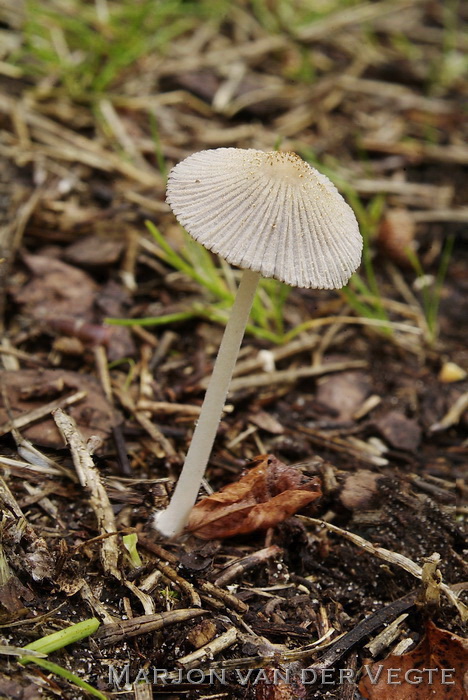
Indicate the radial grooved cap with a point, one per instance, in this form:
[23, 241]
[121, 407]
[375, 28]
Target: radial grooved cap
[268, 212]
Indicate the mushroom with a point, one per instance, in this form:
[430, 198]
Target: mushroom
[273, 215]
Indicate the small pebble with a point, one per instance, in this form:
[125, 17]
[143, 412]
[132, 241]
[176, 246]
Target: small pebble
[451, 372]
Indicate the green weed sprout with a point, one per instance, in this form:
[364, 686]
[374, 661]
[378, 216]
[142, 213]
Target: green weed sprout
[130, 544]
[198, 264]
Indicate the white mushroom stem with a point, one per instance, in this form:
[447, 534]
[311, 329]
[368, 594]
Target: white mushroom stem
[171, 521]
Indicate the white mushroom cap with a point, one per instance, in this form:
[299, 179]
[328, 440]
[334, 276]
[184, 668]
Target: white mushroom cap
[268, 212]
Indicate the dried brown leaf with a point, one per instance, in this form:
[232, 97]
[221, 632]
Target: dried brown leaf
[399, 431]
[343, 393]
[29, 389]
[436, 668]
[94, 251]
[359, 489]
[396, 236]
[56, 288]
[266, 495]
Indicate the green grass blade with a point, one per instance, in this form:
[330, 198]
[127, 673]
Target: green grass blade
[62, 638]
[59, 640]
[153, 320]
[179, 263]
[68, 675]
[440, 278]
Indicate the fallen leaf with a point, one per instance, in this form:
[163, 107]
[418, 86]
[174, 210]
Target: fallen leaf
[56, 289]
[31, 388]
[94, 251]
[12, 595]
[399, 431]
[343, 393]
[396, 236]
[436, 668]
[266, 495]
[203, 83]
[114, 300]
[359, 489]
[266, 422]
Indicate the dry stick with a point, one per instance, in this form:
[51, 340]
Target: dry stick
[453, 415]
[10, 241]
[157, 549]
[65, 144]
[393, 558]
[165, 344]
[155, 434]
[20, 355]
[228, 599]
[25, 448]
[405, 98]
[458, 214]
[295, 347]
[90, 479]
[10, 361]
[360, 321]
[169, 572]
[337, 444]
[119, 131]
[128, 265]
[93, 601]
[386, 637]
[342, 19]
[184, 585]
[209, 651]
[240, 566]
[152, 430]
[118, 631]
[41, 412]
[425, 195]
[349, 640]
[453, 153]
[142, 691]
[39, 495]
[168, 409]
[147, 602]
[24, 469]
[283, 657]
[292, 375]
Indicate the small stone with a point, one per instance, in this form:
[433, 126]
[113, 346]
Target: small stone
[451, 372]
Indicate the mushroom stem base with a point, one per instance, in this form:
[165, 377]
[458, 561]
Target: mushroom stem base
[171, 521]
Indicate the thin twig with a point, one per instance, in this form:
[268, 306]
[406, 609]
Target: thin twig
[90, 479]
